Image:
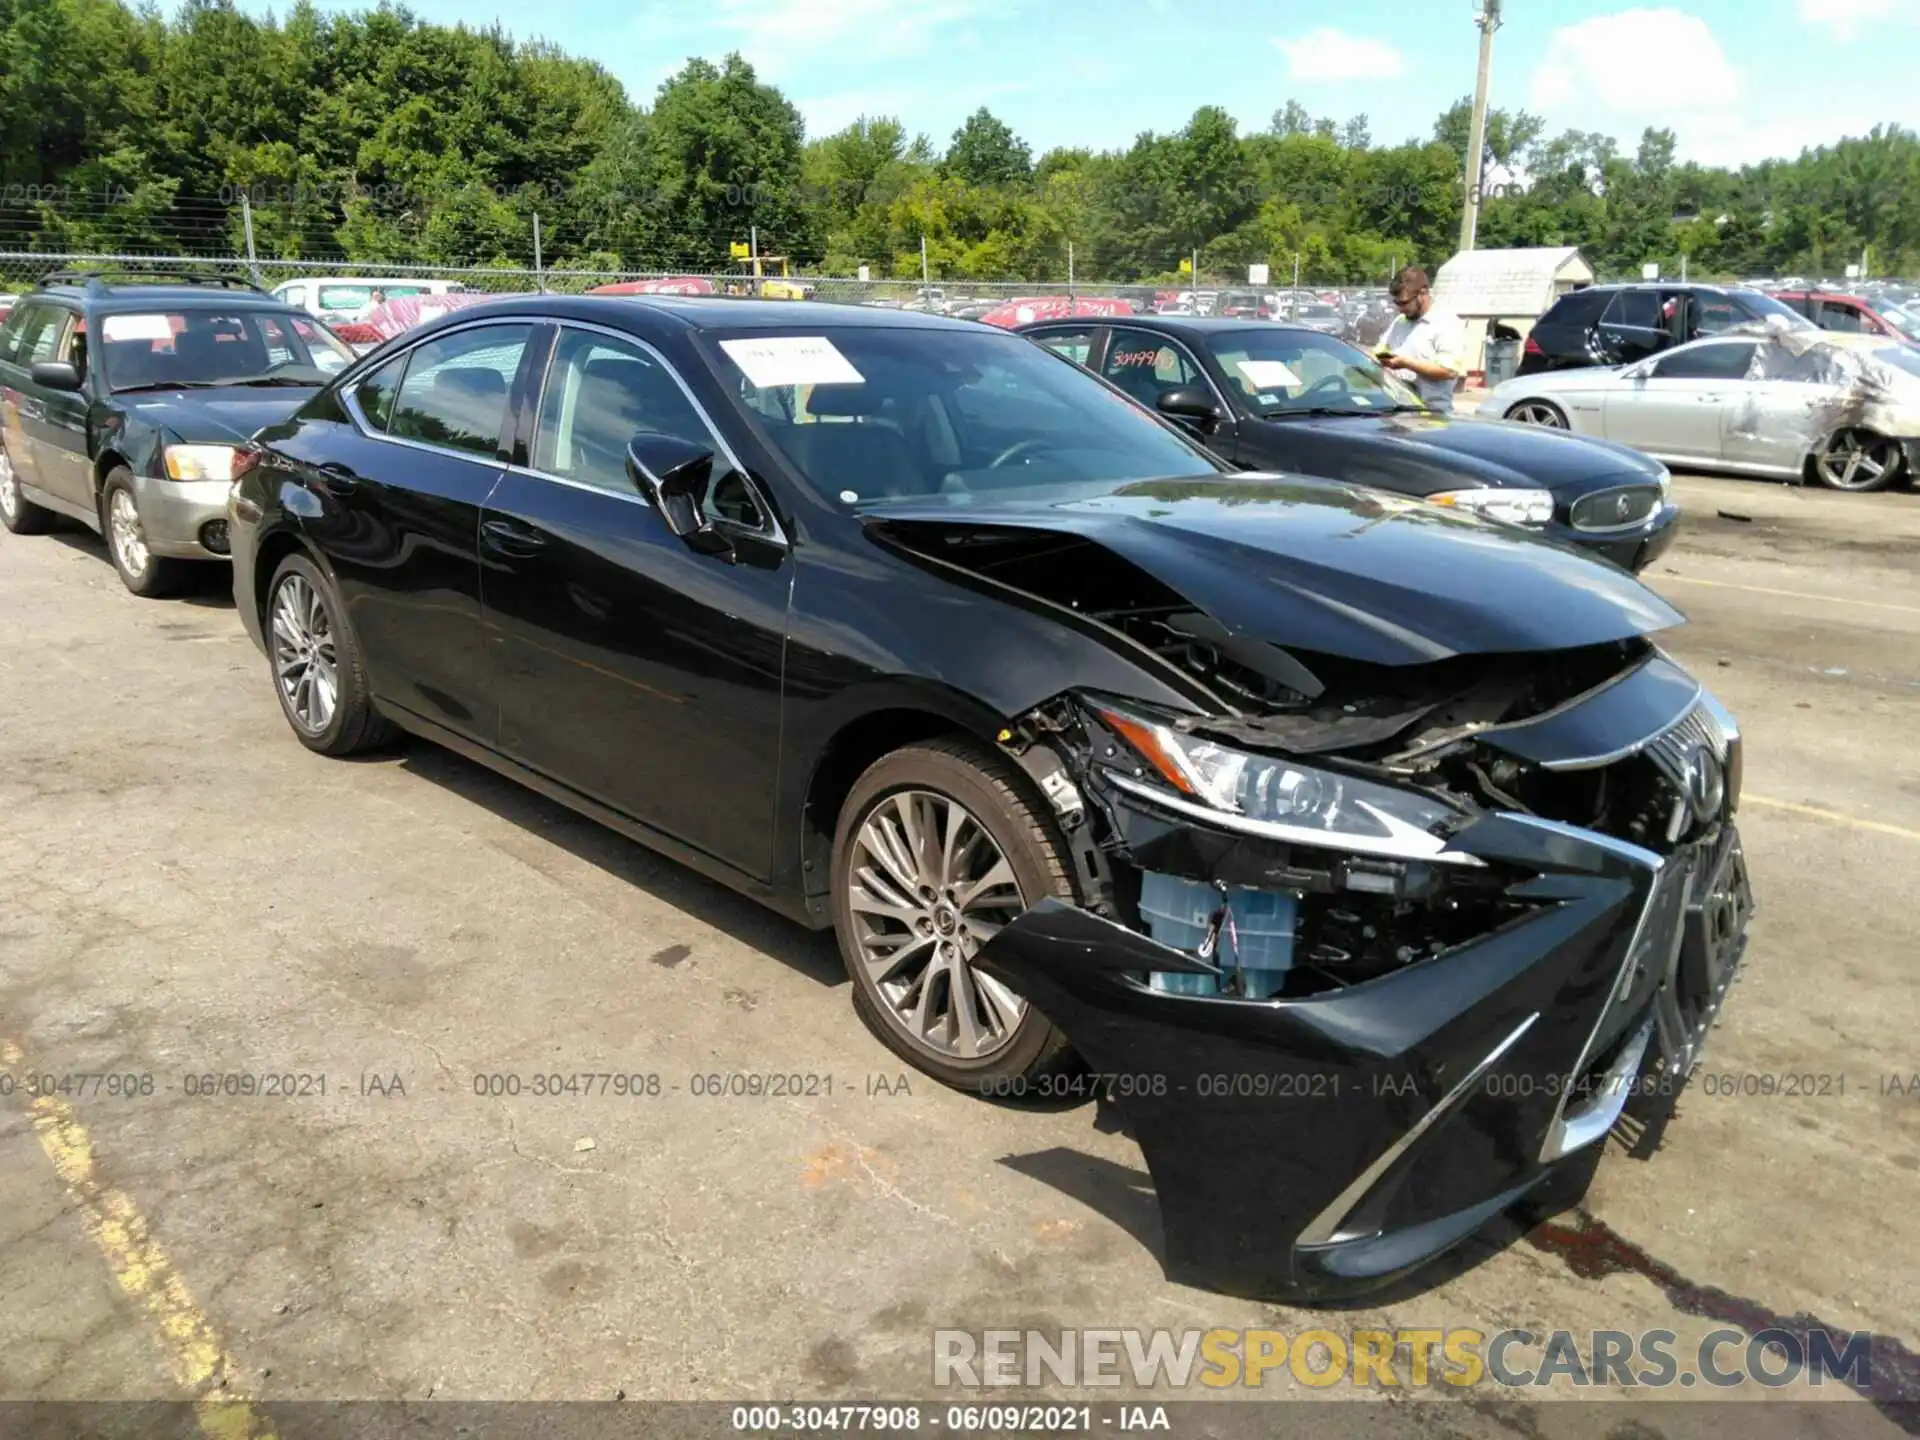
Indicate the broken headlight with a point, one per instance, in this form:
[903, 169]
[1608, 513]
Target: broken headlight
[1280, 798]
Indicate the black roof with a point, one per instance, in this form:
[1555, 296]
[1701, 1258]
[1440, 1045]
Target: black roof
[718, 312]
[117, 290]
[1658, 285]
[1196, 327]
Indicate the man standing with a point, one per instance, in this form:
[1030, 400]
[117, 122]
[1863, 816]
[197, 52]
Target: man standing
[1423, 347]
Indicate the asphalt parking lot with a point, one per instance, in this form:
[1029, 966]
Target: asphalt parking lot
[186, 893]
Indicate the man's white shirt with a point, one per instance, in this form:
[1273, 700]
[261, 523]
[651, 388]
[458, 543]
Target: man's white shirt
[1437, 337]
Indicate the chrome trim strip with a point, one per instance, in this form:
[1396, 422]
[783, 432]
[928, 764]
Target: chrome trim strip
[773, 531]
[1294, 834]
[1594, 762]
[1323, 1227]
[1579, 1130]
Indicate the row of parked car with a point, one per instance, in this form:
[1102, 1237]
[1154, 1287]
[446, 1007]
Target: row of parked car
[1094, 740]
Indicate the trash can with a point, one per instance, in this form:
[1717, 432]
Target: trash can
[1503, 360]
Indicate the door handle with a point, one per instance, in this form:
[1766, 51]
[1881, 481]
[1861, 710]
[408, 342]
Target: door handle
[507, 538]
[340, 480]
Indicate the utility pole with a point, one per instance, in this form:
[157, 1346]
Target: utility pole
[1069, 270]
[926, 282]
[246, 219]
[753, 258]
[539, 270]
[1488, 19]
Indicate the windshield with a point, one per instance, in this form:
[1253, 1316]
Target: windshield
[156, 348]
[1766, 305]
[1278, 371]
[871, 414]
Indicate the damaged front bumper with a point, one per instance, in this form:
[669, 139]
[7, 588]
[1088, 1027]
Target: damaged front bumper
[1321, 1145]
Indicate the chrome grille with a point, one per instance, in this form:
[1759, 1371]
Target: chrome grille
[1620, 508]
[1672, 749]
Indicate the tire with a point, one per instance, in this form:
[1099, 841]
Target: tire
[19, 514]
[1543, 413]
[1856, 461]
[1013, 1041]
[311, 649]
[144, 573]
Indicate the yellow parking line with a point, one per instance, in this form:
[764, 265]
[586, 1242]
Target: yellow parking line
[199, 1361]
[1835, 817]
[1789, 594]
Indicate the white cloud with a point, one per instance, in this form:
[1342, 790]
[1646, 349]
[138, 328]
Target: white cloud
[1620, 73]
[1329, 54]
[1647, 63]
[1844, 17]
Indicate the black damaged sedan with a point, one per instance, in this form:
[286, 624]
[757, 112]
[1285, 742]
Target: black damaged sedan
[1371, 854]
[1285, 397]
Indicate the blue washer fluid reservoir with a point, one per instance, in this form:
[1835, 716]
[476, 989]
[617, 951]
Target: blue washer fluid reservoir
[1179, 913]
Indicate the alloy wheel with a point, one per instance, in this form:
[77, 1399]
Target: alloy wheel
[1534, 412]
[303, 654]
[125, 535]
[1855, 460]
[929, 887]
[9, 489]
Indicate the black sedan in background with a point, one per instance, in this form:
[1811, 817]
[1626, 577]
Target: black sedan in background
[1091, 749]
[1285, 397]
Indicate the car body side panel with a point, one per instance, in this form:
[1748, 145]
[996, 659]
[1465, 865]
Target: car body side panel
[632, 668]
[399, 526]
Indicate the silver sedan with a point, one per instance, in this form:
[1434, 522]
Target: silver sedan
[1842, 410]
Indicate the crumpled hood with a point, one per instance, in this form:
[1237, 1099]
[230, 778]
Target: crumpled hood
[220, 416]
[1441, 452]
[1321, 566]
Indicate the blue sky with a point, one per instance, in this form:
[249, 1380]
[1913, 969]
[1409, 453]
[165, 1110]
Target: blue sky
[1737, 80]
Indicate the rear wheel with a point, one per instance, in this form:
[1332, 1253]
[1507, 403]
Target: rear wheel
[938, 847]
[317, 673]
[144, 573]
[1539, 412]
[1857, 460]
[19, 514]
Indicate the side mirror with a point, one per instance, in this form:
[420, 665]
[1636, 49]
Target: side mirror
[55, 375]
[674, 474]
[1189, 402]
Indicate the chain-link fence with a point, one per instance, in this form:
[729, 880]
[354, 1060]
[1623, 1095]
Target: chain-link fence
[21, 271]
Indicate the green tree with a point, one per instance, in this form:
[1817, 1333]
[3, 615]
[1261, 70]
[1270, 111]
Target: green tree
[985, 152]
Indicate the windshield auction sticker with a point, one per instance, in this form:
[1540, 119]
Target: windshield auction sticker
[136, 327]
[792, 360]
[1268, 374]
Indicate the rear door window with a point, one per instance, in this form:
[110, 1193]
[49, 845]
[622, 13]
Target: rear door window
[374, 394]
[455, 390]
[1076, 345]
[39, 334]
[1635, 310]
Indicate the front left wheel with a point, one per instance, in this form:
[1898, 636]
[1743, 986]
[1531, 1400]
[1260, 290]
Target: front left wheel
[938, 847]
[144, 573]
